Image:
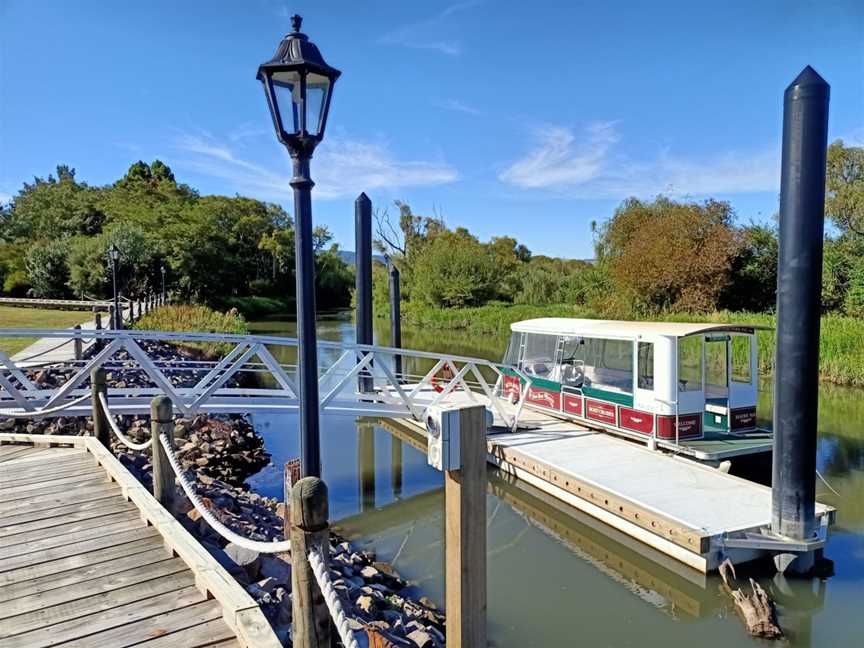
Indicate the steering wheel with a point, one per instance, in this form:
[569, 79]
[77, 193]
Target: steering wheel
[574, 374]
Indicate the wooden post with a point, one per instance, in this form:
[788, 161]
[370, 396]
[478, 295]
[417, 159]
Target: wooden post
[97, 316]
[162, 422]
[465, 535]
[76, 343]
[308, 512]
[112, 317]
[98, 385]
[290, 476]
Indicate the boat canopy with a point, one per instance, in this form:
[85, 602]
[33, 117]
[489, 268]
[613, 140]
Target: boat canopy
[623, 329]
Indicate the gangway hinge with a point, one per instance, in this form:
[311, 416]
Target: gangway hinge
[766, 540]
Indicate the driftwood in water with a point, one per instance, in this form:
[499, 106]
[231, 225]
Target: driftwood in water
[756, 609]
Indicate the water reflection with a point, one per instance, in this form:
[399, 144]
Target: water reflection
[556, 574]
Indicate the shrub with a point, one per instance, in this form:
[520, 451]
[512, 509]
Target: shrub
[195, 319]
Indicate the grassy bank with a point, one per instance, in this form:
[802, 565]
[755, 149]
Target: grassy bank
[841, 349]
[12, 317]
[258, 307]
[197, 319]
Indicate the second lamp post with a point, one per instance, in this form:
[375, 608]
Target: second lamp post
[298, 85]
[114, 257]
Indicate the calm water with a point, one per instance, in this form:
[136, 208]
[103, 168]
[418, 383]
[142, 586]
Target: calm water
[553, 577]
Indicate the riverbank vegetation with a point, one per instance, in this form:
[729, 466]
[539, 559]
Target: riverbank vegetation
[195, 319]
[55, 232]
[653, 259]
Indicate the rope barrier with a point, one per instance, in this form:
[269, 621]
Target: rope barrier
[41, 353]
[825, 481]
[334, 605]
[112, 423]
[18, 413]
[221, 529]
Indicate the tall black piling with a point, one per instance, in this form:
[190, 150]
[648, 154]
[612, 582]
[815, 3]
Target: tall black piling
[363, 266]
[799, 287]
[395, 318]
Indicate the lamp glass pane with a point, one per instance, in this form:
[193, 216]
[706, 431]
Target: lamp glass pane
[317, 87]
[286, 88]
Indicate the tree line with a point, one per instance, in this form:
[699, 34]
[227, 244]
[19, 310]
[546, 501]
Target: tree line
[55, 232]
[651, 257]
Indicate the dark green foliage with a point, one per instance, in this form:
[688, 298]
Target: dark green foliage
[213, 247]
[47, 269]
[753, 284]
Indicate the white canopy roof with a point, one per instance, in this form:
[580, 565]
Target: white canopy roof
[622, 329]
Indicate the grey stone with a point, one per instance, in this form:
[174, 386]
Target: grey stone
[276, 568]
[249, 561]
[421, 639]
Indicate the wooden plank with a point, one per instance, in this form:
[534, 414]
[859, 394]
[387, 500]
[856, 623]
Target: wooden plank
[64, 509]
[40, 452]
[77, 548]
[13, 437]
[200, 624]
[42, 539]
[93, 604]
[119, 615]
[59, 565]
[108, 507]
[88, 572]
[108, 583]
[13, 454]
[53, 486]
[63, 498]
[214, 631]
[48, 464]
[48, 472]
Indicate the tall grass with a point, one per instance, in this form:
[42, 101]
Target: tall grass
[195, 319]
[841, 344]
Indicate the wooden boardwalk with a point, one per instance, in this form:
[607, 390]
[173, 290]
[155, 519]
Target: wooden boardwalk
[89, 558]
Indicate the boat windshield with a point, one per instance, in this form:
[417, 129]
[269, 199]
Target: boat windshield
[511, 356]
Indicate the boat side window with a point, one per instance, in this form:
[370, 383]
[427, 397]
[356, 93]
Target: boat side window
[539, 357]
[573, 362]
[609, 365]
[646, 365]
[511, 357]
[741, 370]
[690, 363]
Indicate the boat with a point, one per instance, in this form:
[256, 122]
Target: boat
[688, 387]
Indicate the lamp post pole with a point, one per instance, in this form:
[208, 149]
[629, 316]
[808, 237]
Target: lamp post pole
[298, 85]
[162, 269]
[310, 446]
[118, 315]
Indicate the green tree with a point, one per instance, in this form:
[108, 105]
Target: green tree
[669, 255]
[452, 270]
[753, 276]
[47, 268]
[844, 187]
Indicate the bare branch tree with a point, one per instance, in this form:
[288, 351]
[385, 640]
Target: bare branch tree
[390, 238]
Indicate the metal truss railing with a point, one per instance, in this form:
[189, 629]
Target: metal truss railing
[246, 376]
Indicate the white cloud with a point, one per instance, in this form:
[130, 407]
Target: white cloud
[5, 197]
[593, 166]
[435, 33]
[342, 167]
[457, 106]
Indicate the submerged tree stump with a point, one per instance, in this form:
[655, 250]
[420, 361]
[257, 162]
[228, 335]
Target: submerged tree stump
[756, 609]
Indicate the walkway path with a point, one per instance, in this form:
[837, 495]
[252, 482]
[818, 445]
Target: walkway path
[89, 558]
[52, 350]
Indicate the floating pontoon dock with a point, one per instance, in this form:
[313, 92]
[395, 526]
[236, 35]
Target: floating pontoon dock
[691, 512]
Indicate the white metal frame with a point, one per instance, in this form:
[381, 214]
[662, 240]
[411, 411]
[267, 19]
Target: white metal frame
[394, 396]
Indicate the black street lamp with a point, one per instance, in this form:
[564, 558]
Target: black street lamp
[114, 257]
[298, 85]
[162, 270]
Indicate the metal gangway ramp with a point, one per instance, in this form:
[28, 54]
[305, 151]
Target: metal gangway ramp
[89, 558]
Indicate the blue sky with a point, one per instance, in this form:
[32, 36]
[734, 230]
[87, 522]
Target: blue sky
[530, 120]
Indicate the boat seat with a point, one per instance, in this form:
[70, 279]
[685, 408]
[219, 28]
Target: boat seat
[717, 409]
